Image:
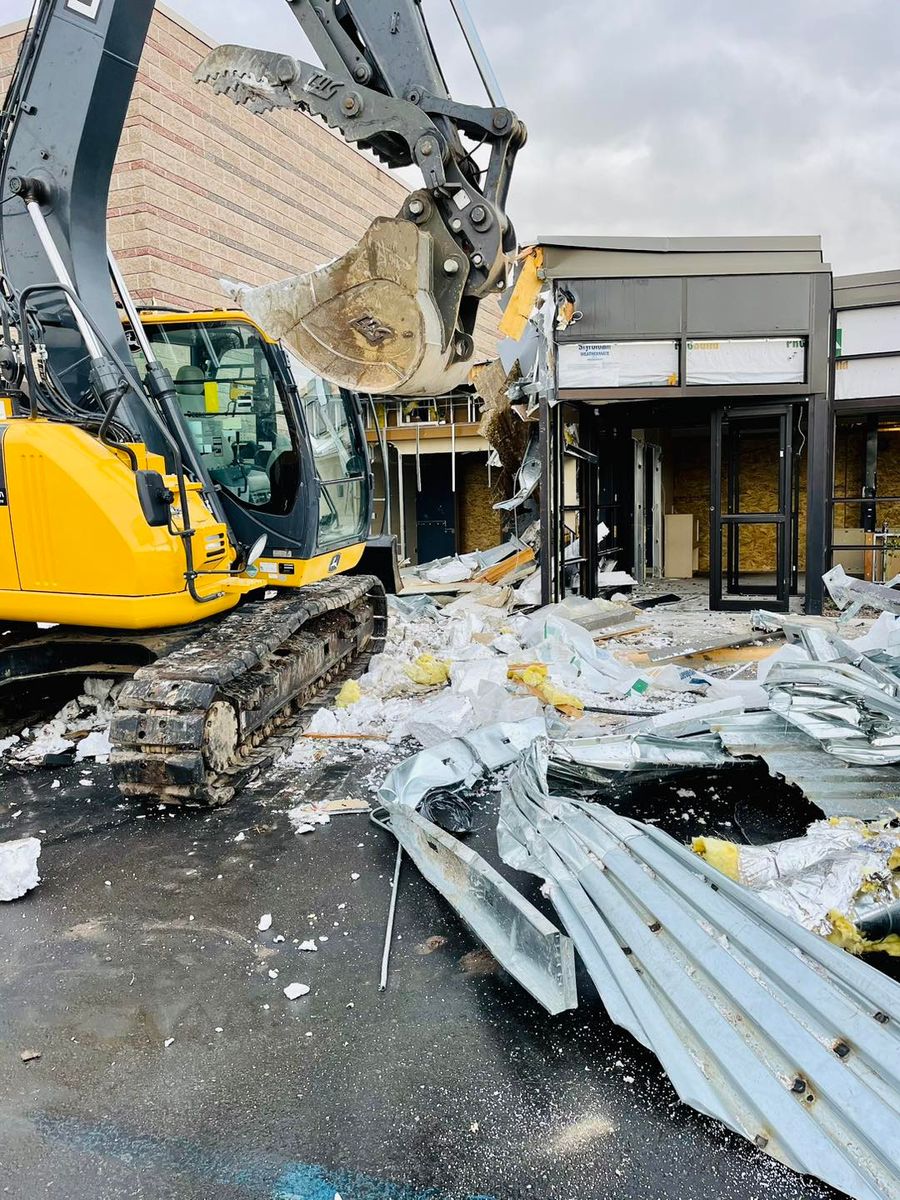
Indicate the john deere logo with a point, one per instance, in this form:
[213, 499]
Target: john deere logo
[85, 8]
[334, 564]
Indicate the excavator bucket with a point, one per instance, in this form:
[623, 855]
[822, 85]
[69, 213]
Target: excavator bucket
[372, 321]
[381, 559]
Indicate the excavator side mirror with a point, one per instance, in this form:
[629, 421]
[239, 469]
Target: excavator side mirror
[154, 497]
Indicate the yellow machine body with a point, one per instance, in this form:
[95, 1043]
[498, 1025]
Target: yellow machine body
[309, 570]
[75, 546]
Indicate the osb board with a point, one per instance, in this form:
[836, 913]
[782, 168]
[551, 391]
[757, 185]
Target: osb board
[723, 656]
[690, 490]
[759, 493]
[479, 524]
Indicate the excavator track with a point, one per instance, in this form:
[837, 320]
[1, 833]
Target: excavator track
[201, 721]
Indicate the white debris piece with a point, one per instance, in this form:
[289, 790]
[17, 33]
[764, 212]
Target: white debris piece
[294, 991]
[265, 922]
[18, 867]
[451, 572]
[883, 632]
[96, 745]
[46, 743]
[82, 724]
[309, 944]
[444, 716]
[529, 592]
[168, 1042]
[304, 818]
[7, 743]
[751, 693]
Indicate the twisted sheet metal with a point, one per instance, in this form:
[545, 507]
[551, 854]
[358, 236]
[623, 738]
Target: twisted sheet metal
[520, 937]
[838, 788]
[780, 1035]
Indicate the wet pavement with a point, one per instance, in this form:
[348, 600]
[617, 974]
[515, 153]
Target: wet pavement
[451, 1084]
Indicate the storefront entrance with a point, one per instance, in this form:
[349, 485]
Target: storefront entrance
[753, 508]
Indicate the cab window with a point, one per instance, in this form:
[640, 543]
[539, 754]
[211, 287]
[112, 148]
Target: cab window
[235, 415]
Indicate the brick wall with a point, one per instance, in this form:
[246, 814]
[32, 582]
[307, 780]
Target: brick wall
[204, 188]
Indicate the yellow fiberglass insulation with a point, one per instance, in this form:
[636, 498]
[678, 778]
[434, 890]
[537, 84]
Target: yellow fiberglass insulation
[845, 934]
[724, 856]
[535, 676]
[428, 671]
[349, 694]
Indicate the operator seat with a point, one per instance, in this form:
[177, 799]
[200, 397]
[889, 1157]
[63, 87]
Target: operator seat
[189, 383]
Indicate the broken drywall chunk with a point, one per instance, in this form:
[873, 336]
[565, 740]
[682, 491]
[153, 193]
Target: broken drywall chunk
[96, 745]
[18, 867]
[294, 991]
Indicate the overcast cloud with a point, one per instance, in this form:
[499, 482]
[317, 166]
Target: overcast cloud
[677, 116]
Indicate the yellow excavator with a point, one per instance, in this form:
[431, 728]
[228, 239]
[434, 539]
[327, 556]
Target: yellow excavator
[182, 497]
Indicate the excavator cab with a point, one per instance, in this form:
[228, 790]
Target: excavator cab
[283, 448]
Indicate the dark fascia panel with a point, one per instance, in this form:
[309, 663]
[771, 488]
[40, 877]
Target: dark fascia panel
[874, 287]
[690, 245]
[609, 258]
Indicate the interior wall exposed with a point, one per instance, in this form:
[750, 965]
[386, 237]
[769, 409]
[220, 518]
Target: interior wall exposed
[478, 522]
[850, 449]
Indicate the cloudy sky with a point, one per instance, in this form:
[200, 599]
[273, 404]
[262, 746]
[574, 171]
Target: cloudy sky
[677, 116]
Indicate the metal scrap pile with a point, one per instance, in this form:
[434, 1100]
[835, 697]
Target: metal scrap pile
[785, 1039]
[715, 957]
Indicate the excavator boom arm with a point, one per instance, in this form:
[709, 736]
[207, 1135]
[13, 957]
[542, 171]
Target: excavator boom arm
[381, 85]
[397, 313]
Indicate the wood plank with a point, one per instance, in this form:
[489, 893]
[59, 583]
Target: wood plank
[505, 567]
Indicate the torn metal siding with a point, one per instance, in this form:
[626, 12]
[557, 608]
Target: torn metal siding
[520, 937]
[522, 940]
[780, 1035]
[838, 788]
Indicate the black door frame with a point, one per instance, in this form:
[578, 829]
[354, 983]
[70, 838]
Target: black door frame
[734, 598]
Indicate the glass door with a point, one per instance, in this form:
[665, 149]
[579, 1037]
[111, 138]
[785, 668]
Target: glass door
[752, 506]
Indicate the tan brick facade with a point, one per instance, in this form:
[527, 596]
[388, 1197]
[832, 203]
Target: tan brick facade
[204, 188]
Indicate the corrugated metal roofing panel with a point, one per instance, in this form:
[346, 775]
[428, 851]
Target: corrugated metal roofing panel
[839, 789]
[780, 1035]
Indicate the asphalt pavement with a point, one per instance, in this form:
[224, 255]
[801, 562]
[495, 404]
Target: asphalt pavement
[172, 1065]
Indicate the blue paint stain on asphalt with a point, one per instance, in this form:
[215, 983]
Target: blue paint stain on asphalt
[262, 1175]
[302, 1182]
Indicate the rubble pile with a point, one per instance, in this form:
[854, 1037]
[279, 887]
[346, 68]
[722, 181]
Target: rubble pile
[726, 960]
[78, 732]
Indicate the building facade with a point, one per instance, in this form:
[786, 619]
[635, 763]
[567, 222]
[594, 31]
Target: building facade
[731, 412]
[695, 374]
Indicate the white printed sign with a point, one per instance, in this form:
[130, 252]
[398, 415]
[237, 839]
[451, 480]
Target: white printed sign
[746, 360]
[618, 364]
[85, 8]
[868, 330]
[859, 378]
